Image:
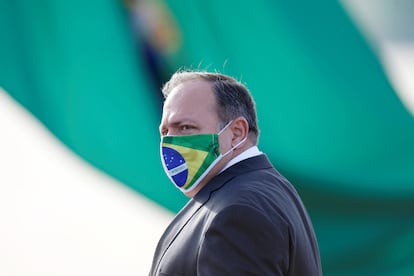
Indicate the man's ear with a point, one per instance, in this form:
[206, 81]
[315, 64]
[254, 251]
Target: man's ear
[240, 129]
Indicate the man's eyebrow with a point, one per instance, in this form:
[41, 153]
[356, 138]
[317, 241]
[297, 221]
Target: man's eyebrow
[183, 121]
[177, 123]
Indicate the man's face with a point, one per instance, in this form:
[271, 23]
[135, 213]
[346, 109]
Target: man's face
[190, 108]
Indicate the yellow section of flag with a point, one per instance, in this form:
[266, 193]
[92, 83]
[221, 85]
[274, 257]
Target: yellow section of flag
[193, 157]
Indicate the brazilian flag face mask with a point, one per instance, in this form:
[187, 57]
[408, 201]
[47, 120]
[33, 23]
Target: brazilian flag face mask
[188, 159]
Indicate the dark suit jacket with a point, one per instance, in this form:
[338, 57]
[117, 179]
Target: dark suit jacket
[248, 220]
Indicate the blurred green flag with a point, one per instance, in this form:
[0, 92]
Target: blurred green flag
[329, 118]
[76, 67]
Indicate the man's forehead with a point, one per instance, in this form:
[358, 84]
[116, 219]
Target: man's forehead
[191, 91]
[191, 100]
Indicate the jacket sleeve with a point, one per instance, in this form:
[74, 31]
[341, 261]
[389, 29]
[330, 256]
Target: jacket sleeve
[242, 241]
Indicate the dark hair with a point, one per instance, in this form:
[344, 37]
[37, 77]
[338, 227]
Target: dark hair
[233, 98]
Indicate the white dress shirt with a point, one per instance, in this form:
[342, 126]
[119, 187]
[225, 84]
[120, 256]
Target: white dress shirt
[250, 152]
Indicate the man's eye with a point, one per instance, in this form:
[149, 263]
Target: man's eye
[185, 127]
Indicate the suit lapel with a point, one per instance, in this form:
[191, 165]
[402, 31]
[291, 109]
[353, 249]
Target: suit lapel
[189, 210]
[175, 227]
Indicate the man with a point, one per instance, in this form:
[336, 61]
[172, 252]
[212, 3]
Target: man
[243, 217]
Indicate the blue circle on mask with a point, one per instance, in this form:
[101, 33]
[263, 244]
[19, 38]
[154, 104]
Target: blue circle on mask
[176, 165]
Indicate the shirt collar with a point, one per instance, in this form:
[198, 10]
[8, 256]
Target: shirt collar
[250, 152]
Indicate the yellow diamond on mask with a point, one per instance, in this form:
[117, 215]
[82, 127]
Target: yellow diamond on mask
[194, 160]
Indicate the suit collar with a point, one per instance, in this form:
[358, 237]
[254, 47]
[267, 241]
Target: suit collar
[244, 166]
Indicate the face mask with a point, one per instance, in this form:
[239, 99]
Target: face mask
[188, 159]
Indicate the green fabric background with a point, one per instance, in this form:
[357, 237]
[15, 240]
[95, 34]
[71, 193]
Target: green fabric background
[330, 121]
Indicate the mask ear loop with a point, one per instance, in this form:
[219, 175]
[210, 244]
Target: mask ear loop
[238, 144]
[224, 128]
[233, 148]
